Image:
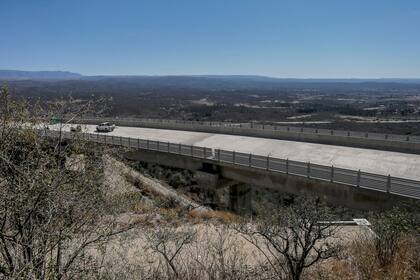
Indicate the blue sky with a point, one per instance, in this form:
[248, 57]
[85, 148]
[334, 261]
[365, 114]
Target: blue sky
[282, 38]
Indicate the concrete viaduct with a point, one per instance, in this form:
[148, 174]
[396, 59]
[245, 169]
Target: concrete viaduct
[355, 177]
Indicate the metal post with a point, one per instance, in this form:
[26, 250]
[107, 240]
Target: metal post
[366, 135]
[148, 144]
[348, 133]
[204, 152]
[288, 128]
[386, 136]
[332, 132]
[157, 145]
[408, 138]
[129, 142]
[234, 156]
[308, 170]
[359, 175]
[138, 143]
[268, 162]
[287, 166]
[301, 130]
[120, 140]
[250, 160]
[192, 151]
[332, 173]
[388, 184]
[168, 146]
[316, 131]
[218, 155]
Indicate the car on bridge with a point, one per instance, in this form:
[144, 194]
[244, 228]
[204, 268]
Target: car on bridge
[105, 127]
[77, 128]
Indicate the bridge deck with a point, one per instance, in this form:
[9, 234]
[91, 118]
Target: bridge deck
[401, 165]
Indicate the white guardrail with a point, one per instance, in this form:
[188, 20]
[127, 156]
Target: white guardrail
[357, 178]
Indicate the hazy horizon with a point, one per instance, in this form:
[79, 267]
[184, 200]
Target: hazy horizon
[216, 75]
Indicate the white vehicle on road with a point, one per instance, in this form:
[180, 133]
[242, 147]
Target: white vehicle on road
[105, 127]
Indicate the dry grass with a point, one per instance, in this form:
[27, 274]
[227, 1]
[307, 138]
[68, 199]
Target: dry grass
[360, 261]
[223, 216]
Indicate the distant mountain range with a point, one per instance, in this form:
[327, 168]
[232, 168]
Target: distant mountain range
[38, 75]
[63, 80]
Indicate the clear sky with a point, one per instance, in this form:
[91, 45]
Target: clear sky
[282, 38]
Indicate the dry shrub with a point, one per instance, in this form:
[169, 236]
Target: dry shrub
[403, 265]
[331, 270]
[223, 216]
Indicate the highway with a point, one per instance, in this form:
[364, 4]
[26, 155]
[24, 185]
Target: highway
[396, 164]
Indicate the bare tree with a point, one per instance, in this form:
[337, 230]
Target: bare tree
[49, 214]
[168, 242]
[220, 253]
[293, 238]
[390, 227]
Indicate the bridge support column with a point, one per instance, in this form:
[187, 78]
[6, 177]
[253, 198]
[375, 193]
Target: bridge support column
[240, 198]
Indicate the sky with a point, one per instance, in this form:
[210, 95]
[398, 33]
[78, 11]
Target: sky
[279, 38]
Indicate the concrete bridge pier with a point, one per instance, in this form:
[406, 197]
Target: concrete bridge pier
[236, 196]
[240, 198]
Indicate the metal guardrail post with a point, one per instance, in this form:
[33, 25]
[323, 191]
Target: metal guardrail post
[129, 142]
[366, 135]
[218, 155]
[234, 156]
[268, 163]
[288, 128]
[147, 144]
[388, 184]
[359, 175]
[204, 152]
[332, 132]
[308, 170]
[138, 143]
[386, 136]
[332, 173]
[287, 166]
[348, 133]
[168, 146]
[250, 160]
[192, 151]
[408, 138]
[179, 148]
[121, 141]
[301, 130]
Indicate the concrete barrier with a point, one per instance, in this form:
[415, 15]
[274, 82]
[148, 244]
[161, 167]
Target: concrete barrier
[388, 142]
